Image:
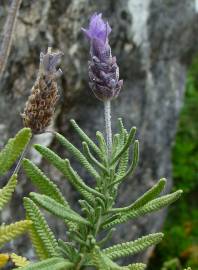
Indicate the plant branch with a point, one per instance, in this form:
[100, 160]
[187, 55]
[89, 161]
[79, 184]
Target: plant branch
[8, 31]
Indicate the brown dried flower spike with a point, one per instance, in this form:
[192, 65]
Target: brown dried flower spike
[40, 106]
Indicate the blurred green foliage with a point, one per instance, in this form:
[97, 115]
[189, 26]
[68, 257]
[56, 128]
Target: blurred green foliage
[185, 151]
[179, 248]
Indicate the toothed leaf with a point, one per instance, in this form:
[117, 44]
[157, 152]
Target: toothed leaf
[42, 182]
[13, 149]
[133, 247]
[19, 261]
[65, 168]
[85, 138]
[77, 154]
[6, 192]
[49, 264]
[57, 209]
[151, 206]
[40, 226]
[145, 198]
[9, 232]
[126, 145]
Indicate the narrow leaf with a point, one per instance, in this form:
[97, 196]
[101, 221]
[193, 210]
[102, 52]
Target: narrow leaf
[19, 261]
[146, 197]
[49, 264]
[136, 266]
[124, 158]
[10, 232]
[133, 247]
[37, 243]
[57, 209]
[85, 138]
[13, 149]
[78, 182]
[126, 145]
[41, 227]
[92, 159]
[70, 174]
[77, 154]
[42, 182]
[116, 144]
[6, 192]
[151, 206]
[102, 144]
[134, 163]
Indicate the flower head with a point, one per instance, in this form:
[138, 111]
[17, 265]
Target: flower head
[39, 108]
[103, 69]
[98, 28]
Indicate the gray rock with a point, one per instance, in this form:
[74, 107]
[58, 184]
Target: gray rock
[154, 41]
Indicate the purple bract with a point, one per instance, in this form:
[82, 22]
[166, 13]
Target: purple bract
[98, 29]
[103, 69]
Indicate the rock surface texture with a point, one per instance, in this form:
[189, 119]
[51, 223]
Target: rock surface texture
[154, 41]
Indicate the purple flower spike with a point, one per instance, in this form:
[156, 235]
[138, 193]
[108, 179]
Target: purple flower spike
[103, 69]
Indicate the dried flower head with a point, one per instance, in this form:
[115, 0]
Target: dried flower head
[103, 69]
[40, 106]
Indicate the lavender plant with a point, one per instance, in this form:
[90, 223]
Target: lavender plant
[107, 162]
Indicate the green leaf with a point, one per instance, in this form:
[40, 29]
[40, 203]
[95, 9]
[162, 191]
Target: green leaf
[136, 266]
[68, 249]
[115, 144]
[57, 209]
[100, 261]
[37, 243]
[68, 172]
[85, 138]
[13, 149]
[75, 179]
[77, 154]
[126, 145]
[47, 238]
[9, 232]
[151, 206]
[92, 159]
[133, 166]
[42, 182]
[121, 125]
[123, 160]
[120, 139]
[102, 144]
[133, 247]
[146, 197]
[49, 264]
[107, 237]
[6, 192]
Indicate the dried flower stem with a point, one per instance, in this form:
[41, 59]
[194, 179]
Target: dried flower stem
[18, 166]
[107, 115]
[8, 33]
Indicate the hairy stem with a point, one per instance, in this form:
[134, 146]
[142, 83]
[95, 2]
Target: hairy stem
[8, 33]
[107, 115]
